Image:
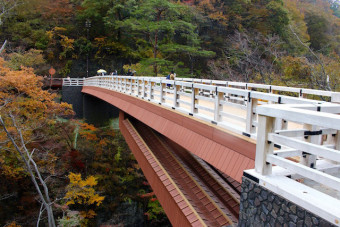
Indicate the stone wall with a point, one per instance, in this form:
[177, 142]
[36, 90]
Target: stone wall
[261, 207]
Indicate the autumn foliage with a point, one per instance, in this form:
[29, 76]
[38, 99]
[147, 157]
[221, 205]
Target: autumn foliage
[24, 105]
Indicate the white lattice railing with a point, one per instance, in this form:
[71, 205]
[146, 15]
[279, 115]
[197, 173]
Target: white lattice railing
[298, 92]
[310, 156]
[73, 81]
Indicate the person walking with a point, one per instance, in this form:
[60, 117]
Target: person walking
[171, 76]
[129, 73]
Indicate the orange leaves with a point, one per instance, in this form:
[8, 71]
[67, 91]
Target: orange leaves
[88, 127]
[13, 224]
[88, 132]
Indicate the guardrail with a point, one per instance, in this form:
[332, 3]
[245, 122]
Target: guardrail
[73, 81]
[228, 107]
[309, 155]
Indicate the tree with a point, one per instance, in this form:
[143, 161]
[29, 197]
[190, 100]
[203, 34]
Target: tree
[166, 29]
[81, 193]
[25, 109]
[319, 30]
[6, 8]
[34, 172]
[250, 58]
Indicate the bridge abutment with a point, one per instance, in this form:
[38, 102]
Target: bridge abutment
[98, 112]
[262, 207]
[73, 95]
[93, 110]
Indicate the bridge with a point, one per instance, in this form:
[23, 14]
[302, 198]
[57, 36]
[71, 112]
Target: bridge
[221, 153]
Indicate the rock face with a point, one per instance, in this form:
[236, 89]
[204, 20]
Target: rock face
[261, 207]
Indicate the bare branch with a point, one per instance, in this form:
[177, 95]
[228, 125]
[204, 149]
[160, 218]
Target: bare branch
[3, 46]
[46, 201]
[6, 196]
[40, 212]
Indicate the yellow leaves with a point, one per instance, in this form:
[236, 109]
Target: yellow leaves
[49, 35]
[74, 178]
[88, 214]
[81, 191]
[11, 172]
[59, 30]
[66, 42]
[90, 181]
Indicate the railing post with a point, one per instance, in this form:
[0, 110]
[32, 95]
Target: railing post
[162, 92]
[218, 106]
[194, 101]
[116, 83]
[143, 88]
[308, 159]
[132, 81]
[263, 146]
[120, 84]
[138, 89]
[176, 95]
[280, 124]
[251, 115]
[336, 143]
[112, 83]
[151, 91]
[125, 85]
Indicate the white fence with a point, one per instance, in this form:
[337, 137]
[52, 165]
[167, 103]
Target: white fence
[73, 81]
[228, 107]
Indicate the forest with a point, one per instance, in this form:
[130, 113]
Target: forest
[59, 170]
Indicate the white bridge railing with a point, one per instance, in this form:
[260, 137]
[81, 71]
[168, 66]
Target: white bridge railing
[299, 139]
[297, 92]
[73, 81]
[228, 107]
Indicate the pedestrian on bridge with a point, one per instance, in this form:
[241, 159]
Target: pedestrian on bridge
[130, 73]
[171, 76]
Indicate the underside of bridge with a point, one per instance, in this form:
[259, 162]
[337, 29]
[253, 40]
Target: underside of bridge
[191, 192]
[226, 151]
[194, 168]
